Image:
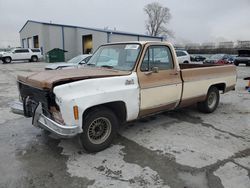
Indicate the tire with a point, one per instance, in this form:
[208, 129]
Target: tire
[211, 102]
[99, 129]
[248, 64]
[7, 60]
[34, 59]
[237, 64]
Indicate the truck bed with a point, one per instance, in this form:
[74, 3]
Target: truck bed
[197, 78]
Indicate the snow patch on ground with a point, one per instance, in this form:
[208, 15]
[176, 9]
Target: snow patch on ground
[192, 144]
[233, 176]
[108, 168]
[234, 110]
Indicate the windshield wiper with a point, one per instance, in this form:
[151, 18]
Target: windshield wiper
[107, 66]
[91, 64]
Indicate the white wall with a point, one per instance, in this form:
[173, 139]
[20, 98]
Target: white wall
[121, 38]
[70, 42]
[32, 29]
[52, 37]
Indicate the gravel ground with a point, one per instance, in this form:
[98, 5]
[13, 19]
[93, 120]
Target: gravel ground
[178, 149]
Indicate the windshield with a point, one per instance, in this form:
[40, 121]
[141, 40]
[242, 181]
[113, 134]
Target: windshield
[76, 59]
[116, 56]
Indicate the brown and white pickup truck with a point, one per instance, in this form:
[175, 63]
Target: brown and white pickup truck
[121, 82]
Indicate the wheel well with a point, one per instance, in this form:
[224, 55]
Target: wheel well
[118, 107]
[34, 56]
[220, 86]
[8, 57]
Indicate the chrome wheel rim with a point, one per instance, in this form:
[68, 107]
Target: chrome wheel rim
[211, 101]
[99, 130]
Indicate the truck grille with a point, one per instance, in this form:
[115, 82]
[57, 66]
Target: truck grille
[32, 96]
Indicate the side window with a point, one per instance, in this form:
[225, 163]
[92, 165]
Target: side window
[35, 50]
[25, 51]
[157, 56]
[18, 51]
[22, 51]
[87, 59]
[180, 53]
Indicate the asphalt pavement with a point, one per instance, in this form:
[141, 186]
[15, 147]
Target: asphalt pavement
[177, 149]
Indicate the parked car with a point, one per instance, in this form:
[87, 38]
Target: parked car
[74, 62]
[219, 59]
[17, 54]
[145, 78]
[243, 57]
[198, 58]
[183, 56]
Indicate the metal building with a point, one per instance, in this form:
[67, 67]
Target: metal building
[74, 39]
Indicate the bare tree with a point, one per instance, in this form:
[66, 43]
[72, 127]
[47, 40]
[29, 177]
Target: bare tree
[158, 18]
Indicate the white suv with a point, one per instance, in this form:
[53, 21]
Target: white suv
[17, 54]
[182, 56]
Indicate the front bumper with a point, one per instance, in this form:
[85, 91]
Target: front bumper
[63, 131]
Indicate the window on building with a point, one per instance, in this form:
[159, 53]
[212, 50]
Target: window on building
[36, 41]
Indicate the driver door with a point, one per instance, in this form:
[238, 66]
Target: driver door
[159, 79]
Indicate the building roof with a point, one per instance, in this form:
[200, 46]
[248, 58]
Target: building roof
[93, 29]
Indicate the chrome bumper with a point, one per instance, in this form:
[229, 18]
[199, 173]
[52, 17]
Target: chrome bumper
[63, 131]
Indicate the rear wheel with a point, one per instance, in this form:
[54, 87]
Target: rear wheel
[99, 129]
[211, 102]
[7, 60]
[237, 64]
[34, 59]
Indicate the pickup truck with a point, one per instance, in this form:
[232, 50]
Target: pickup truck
[139, 79]
[17, 54]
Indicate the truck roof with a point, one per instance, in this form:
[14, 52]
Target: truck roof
[140, 42]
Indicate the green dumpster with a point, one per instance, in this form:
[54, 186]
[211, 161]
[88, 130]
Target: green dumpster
[55, 55]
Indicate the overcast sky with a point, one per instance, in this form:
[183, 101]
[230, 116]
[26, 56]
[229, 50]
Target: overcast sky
[192, 20]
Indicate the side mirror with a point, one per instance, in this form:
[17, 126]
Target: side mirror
[155, 69]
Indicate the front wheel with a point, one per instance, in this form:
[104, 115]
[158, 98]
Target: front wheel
[99, 129]
[7, 60]
[211, 102]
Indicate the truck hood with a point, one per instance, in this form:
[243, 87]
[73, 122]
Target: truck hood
[49, 79]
